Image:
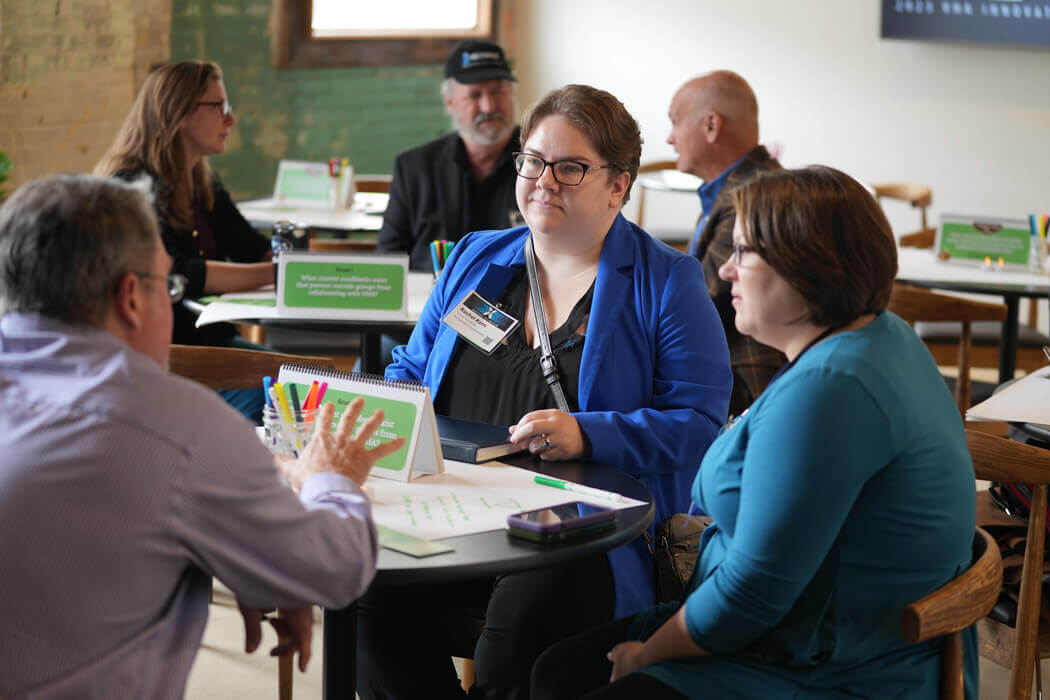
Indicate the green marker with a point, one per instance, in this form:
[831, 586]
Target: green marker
[578, 488]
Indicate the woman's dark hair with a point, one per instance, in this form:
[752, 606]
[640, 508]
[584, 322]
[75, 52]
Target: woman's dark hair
[825, 234]
[603, 120]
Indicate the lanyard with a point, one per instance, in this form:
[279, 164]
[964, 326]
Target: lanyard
[548, 364]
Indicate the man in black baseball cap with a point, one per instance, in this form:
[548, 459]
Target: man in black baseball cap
[463, 181]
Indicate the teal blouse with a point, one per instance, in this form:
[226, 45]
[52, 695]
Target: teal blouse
[845, 493]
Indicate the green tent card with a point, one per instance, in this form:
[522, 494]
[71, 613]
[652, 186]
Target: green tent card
[342, 286]
[981, 239]
[304, 184]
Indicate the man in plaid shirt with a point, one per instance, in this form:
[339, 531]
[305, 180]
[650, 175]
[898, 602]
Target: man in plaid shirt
[714, 129]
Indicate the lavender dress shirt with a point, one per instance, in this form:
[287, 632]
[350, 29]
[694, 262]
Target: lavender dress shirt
[123, 490]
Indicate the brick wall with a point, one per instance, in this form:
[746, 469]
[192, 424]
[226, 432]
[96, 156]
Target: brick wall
[68, 72]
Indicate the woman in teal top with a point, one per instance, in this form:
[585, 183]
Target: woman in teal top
[843, 494]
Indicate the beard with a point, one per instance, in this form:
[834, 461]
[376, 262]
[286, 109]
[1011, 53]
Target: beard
[487, 129]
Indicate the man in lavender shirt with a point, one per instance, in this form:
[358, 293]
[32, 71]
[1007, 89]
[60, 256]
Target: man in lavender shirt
[123, 489]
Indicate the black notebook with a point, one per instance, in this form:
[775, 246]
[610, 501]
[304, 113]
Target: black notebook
[467, 441]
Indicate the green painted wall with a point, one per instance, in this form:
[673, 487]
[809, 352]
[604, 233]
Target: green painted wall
[368, 114]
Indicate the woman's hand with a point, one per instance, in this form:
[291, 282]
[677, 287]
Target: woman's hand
[625, 657]
[551, 434]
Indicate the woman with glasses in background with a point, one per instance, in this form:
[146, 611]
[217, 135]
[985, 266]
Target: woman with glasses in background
[179, 118]
[843, 494]
[642, 363]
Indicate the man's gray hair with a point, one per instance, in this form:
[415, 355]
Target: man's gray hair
[65, 241]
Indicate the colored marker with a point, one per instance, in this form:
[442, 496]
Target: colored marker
[434, 257]
[310, 396]
[578, 488]
[297, 408]
[286, 420]
[320, 394]
[267, 382]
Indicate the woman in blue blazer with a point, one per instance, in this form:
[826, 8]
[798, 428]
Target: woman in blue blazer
[643, 363]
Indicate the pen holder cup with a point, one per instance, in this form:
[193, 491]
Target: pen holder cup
[286, 437]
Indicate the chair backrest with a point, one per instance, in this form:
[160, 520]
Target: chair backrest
[918, 196]
[232, 368]
[917, 304]
[639, 192]
[373, 183]
[999, 459]
[341, 245]
[954, 607]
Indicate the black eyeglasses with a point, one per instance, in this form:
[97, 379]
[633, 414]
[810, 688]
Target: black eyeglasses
[567, 172]
[176, 284]
[224, 107]
[738, 252]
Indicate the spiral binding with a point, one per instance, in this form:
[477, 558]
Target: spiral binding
[329, 373]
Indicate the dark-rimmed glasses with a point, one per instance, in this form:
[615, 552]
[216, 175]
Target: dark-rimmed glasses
[176, 284]
[224, 107]
[566, 172]
[738, 252]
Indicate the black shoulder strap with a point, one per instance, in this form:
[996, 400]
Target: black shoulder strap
[547, 362]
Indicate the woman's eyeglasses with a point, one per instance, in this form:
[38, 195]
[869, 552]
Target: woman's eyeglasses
[566, 172]
[738, 252]
[224, 107]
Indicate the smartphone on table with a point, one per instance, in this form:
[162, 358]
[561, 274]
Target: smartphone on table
[561, 523]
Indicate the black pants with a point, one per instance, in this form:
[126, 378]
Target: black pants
[578, 668]
[401, 652]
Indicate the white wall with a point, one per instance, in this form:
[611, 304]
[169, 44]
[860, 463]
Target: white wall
[971, 121]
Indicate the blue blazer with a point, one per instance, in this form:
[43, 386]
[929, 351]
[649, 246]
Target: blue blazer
[654, 379]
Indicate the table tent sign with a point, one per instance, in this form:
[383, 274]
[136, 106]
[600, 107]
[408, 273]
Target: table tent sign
[985, 241]
[407, 408]
[342, 286]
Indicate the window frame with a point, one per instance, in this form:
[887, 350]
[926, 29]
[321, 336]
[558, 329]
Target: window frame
[292, 46]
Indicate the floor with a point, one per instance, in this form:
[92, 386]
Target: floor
[223, 671]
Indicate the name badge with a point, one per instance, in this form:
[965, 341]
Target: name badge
[480, 323]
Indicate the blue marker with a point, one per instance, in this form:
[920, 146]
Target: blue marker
[267, 383]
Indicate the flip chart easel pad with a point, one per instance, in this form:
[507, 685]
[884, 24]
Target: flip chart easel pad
[468, 498]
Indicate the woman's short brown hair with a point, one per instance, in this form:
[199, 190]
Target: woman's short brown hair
[825, 234]
[601, 117]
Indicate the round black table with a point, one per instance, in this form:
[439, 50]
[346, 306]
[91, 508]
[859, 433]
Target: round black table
[482, 555]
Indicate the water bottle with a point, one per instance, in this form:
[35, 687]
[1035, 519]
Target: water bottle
[283, 233]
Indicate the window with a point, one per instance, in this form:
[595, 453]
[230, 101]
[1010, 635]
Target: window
[317, 33]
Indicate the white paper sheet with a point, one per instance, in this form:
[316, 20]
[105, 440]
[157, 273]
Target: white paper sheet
[467, 498]
[1025, 401]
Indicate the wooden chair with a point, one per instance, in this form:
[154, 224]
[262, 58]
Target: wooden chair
[1020, 648]
[639, 192]
[373, 183]
[954, 607]
[917, 195]
[917, 304]
[233, 368]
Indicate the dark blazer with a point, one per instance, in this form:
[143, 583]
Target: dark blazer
[430, 198]
[754, 364]
[235, 240]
